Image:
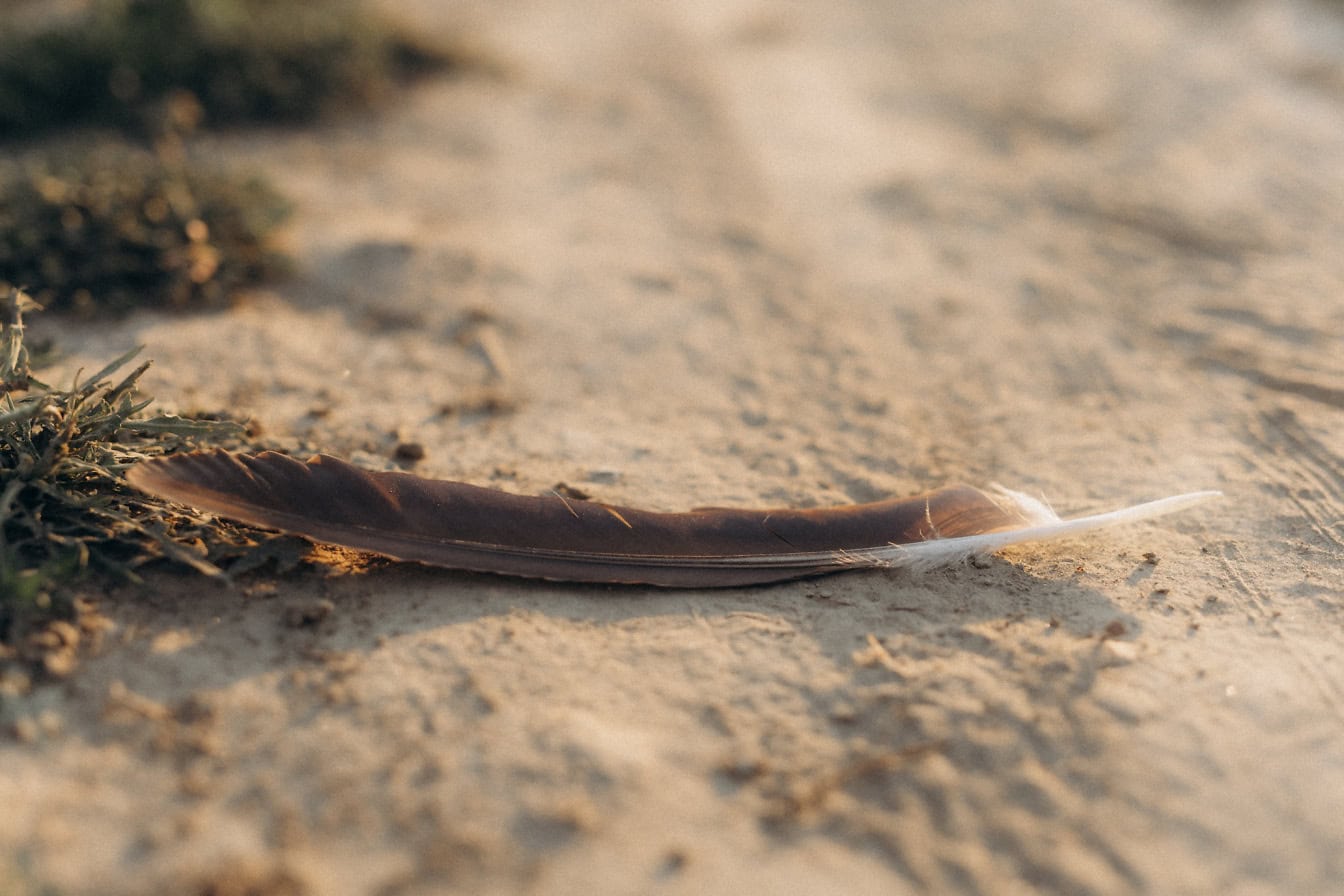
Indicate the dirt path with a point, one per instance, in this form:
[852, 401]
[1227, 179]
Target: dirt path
[747, 253]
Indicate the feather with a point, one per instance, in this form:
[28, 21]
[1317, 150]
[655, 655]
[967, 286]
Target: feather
[462, 526]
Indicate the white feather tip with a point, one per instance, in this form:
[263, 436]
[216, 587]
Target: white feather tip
[1040, 523]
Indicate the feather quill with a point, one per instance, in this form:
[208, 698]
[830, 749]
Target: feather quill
[462, 526]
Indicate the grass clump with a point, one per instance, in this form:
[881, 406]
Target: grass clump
[132, 228]
[64, 509]
[242, 60]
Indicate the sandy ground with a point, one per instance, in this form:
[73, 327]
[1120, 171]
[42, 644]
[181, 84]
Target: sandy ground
[741, 252]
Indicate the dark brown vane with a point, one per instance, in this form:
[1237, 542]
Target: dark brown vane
[462, 526]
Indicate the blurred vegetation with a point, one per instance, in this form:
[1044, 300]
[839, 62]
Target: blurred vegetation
[241, 60]
[64, 509]
[93, 224]
[111, 227]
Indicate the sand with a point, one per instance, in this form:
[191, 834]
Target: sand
[746, 253]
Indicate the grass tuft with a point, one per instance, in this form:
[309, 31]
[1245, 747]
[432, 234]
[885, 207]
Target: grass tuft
[241, 60]
[112, 227]
[64, 510]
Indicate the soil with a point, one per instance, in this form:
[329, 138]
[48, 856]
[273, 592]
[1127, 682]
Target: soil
[753, 253]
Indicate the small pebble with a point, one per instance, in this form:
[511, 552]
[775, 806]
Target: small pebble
[409, 452]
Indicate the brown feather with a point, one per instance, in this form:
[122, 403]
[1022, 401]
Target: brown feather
[462, 526]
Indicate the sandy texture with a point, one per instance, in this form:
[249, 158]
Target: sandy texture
[757, 253]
